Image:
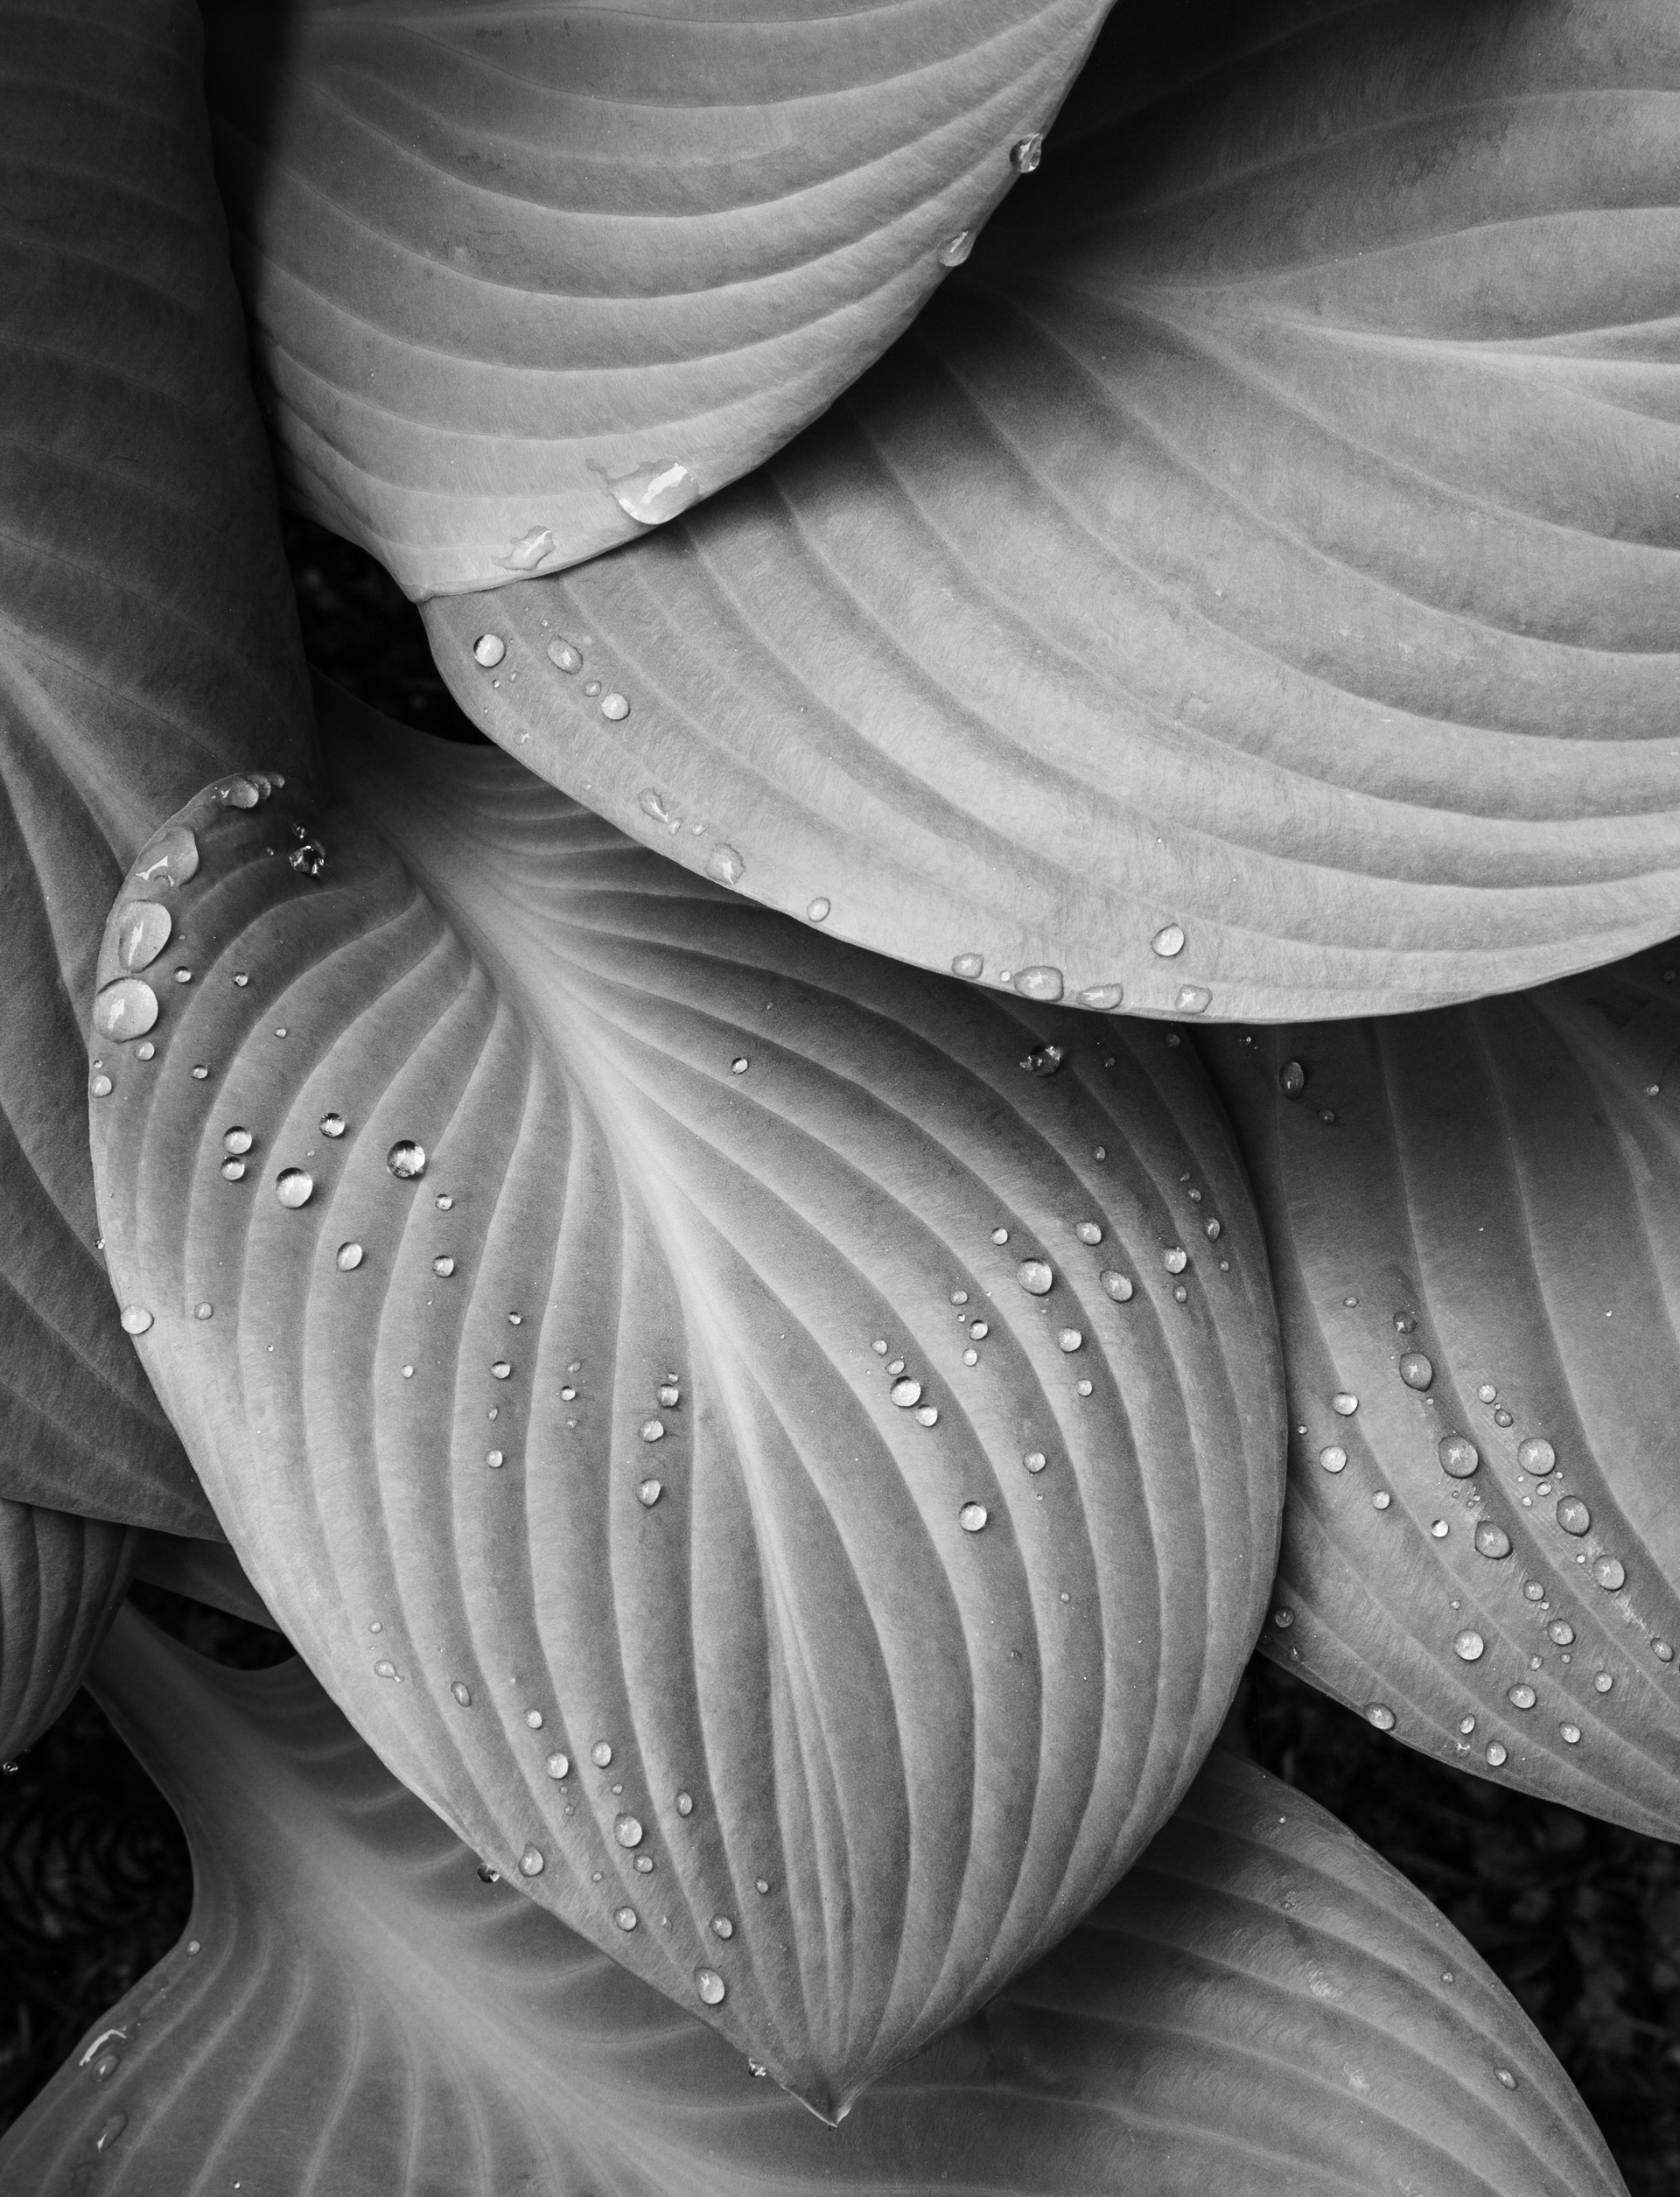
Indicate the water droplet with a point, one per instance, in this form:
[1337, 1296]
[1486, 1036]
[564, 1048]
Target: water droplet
[144, 929]
[101, 1086]
[1501, 1417]
[725, 866]
[111, 2131]
[1168, 940]
[487, 1874]
[1610, 1573]
[144, 1052]
[564, 656]
[1381, 1717]
[1044, 1060]
[1036, 1277]
[1102, 998]
[1088, 1232]
[134, 1319]
[204, 1310]
[1192, 999]
[169, 859]
[1506, 2077]
[1025, 154]
[1496, 1754]
[1040, 983]
[1520, 1696]
[384, 1668]
[1535, 1455]
[816, 911]
[1492, 1540]
[494, 1460]
[237, 1140]
[442, 1201]
[649, 1493]
[1487, 1392]
[1214, 1231]
[627, 1830]
[1118, 1286]
[955, 249]
[1459, 1456]
[1571, 1734]
[489, 649]
[1440, 1529]
[407, 1160]
[1175, 1258]
[462, 1692]
[1533, 1591]
[332, 1125]
[1070, 1339]
[232, 1170]
[105, 2068]
[662, 489]
[1344, 1403]
[1469, 1647]
[1333, 1458]
[652, 1429]
[125, 1009]
[739, 1065]
[531, 1862]
[499, 1369]
[905, 1393]
[614, 708]
[534, 1718]
[592, 686]
[1574, 1516]
[1381, 1499]
[1663, 1651]
[685, 1803]
[722, 1927]
[1034, 1460]
[350, 1256]
[601, 1753]
[1283, 1620]
[967, 965]
[709, 1985]
[1416, 1370]
[1291, 1079]
[294, 1187]
[959, 1297]
[972, 1517]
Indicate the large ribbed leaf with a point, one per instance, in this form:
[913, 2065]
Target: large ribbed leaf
[1475, 1224]
[62, 1578]
[693, 1395]
[529, 280]
[1251, 584]
[146, 635]
[1262, 2009]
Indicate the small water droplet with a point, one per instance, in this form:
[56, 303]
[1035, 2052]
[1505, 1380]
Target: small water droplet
[1560, 1632]
[1506, 2076]
[384, 1668]
[1025, 153]
[1102, 998]
[725, 866]
[1416, 1370]
[558, 1766]
[1044, 1060]
[627, 1830]
[659, 490]
[350, 1257]
[109, 2131]
[1533, 1591]
[816, 911]
[204, 1310]
[955, 249]
[905, 1393]
[1036, 1277]
[1501, 1417]
[1283, 1620]
[1610, 1573]
[145, 1050]
[564, 656]
[927, 1415]
[592, 686]
[144, 929]
[462, 1692]
[1663, 1651]
[1492, 1540]
[1175, 1258]
[442, 1201]
[709, 1985]
[1496, 1754]
[739, 1065]
[625, 1917]
[1333, 1458]
[1574, 1516]
[134, 1319]
[332, 1125]
[1192, 999]
[615, 708]
[1520, 1696]
[308, 859]
[494, 1460]
[601, 1753]
[967, 965]
[1118, 1286]
[1460, 1457]
[1214, 1231]
[1040, 983]
[1168, 940]
[407, 1160]
[232, 1170]
[101, 1086]
[1571, 1734]
[1034, 1460]
[1291, 1079]
[489, 649]
[531, 1862]
[499, 1369]
[1535, 1455]
[1440, 1529]
[124, 1009]
[488, 1874]
[1069, 1339]
[685, 1803]
[1381, 1499]
[1382, 1718]
[652, 1429]
[169, 859]
[294, 1187]
[534, 1718]
[972, 1517]
[1469, 1647]
[649, 1493]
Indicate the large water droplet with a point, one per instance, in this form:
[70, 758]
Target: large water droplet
[488, 650]
[1191, 999]
[1025, 153]
[601, 1753]
[722, 1927]
[134, 1319]
[709, 1985]
[350, 1257]
[564, 656]
[531, 1862]
[1469, 1647]
[725, 866]
[816, 911]
[1491, 1540]
[308, 859]
[144, 929]
[1175, 1258]
[655, 492]
[1497, 1754]
[1570, 1734]
[649, 1492]
[652, 1429]
[1535, 1455]
[1611, 1573]
[1663, 1651]
[905, 1393]
[1459, 1456]
[1520, 1696]
[1044, 1060]
[406, 1159]
[102, 1086]
[1382, 1717]
[1333, 1458]
[1034, 1460]
[955, 249]
[1416, 1370]
[1291, 1079]
[968, 964]
[1574, 1516]
[625, 1917]
[294, 1187]
[1102, 998]
[614, 708]
[1560, 1632]
[125, 1009]
[972, 1517]
[558, 1766]
[1069, 1339]
[169, 859]
[1040, 983]
[627, 1830]
[332, 1125]
[232, 1170]
[1168, 940]
[1036, 1277]
[1118, 1286]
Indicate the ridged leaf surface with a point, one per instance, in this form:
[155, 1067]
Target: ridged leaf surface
[1262, 2007]
[1250, 584]
[677, 1468]
[526, 281]
[61, 1579]
[1474, 1226]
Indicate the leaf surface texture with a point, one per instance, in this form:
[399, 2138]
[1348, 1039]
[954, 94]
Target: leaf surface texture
[61, 1580]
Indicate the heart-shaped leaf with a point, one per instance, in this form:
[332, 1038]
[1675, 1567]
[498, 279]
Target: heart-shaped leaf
[1262, 2007]
[697, 1393]
[526, 282]
[146, 632]
[61, 1580]
[1474, 1225]
[1251, 583]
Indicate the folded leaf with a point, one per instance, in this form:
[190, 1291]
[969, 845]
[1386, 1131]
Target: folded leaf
[696, 1393]
[1262, 2007]
[1249, 586]
[205, 1571]
[1474, 1226]
[61, 1579]
[528, 282]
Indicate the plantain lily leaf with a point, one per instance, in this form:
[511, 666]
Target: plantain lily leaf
[61, 1581]
[146, 632]
[526, 281]
[1249, 586]
[1474, 1225]
[205, 1571]
[696, 1393]
[1262, 2007]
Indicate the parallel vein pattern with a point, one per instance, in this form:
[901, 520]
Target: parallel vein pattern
[1261, 2007]
[1249, 587]
[529, 280]
[1474, 1225]
[61, 1579]
[774, 1433]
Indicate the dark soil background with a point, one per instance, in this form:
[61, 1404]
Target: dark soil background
[1581, 1920]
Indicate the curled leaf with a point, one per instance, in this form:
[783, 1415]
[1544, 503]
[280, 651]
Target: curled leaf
[525, 283]
[61, 1580]
[1261, 2005]
[692, 1393]
[1474, 1226]
[1248, 586]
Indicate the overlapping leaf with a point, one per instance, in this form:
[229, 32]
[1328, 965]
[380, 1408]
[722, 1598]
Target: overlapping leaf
[1475, 1224]
[62, 1578]
[1251, 584]
[675, 1467]
[1262, 2007]
[526, 281]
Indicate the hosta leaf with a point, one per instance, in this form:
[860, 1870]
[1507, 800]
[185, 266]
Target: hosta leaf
[579, 1361]
[1251, 583]
[146, 634]
[1262, 2007]
[1475, 1224]
[526, 281]
[205, 1570]
[61, 1579]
